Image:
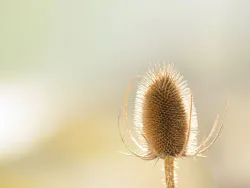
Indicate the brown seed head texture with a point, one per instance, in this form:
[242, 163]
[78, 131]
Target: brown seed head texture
[162, 111]
[164, 118]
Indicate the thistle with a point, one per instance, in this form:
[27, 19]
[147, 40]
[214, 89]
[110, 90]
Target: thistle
[165, 120]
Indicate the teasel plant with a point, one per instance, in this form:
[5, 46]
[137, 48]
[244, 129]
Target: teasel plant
[165, 120]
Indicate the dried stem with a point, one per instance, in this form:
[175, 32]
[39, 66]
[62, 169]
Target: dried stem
[169, 172]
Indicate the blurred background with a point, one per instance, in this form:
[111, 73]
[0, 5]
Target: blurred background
[64, 70]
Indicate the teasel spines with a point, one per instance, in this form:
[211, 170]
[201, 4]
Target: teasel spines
[162, 108]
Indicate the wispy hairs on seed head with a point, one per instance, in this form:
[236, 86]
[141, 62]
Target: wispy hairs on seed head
[155, 73]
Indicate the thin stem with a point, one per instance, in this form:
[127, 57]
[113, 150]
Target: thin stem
[169, 172]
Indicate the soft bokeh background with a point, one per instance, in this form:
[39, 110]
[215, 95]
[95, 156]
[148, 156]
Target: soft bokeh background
[64, 69]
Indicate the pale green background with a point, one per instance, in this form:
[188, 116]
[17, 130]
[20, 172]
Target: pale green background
[64, 69]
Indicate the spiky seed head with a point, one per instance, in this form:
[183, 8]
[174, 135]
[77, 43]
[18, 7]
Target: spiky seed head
[162, 111]
[164, 118]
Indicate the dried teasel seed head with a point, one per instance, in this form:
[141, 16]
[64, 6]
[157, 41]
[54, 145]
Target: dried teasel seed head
[162, 111]
[165, 120]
